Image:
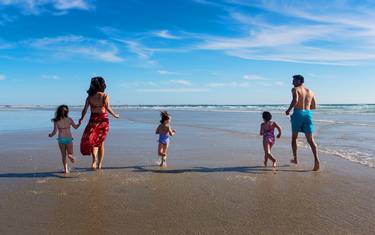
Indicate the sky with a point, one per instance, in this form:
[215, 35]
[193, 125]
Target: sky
[186, 51]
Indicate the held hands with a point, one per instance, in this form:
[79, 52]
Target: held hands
[287, 112]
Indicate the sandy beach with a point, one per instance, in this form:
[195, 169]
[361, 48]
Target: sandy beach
[215, 184]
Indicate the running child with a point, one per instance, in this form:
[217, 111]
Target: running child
[164, 131]
[61, 124]
[267, 130]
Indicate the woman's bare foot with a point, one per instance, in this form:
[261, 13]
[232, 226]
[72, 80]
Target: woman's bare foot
[94, 165]
[316, 166]
[71, 158]
[100, 165]
[265, 163]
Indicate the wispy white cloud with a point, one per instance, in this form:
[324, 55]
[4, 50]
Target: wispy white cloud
[253, 77]
[166, 72]
[36, 7]
[173, 90]
[165, 34]
[74, 45]
[51, 77]
[2, 77]
[181, 82]
[229, 84]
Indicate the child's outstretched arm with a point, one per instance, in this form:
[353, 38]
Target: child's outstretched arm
[54, 130]
[75, 126]
[278, 129]
[261, 132]
[109, 108]
[171, 131]
[157, 131]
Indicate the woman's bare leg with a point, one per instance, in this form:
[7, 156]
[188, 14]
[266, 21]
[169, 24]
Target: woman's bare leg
[94, 154]
[63, 151]
[101, 155]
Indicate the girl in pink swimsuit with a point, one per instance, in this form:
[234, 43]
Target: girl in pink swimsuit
[267, 130]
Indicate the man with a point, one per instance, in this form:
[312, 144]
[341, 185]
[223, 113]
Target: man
[302, 104]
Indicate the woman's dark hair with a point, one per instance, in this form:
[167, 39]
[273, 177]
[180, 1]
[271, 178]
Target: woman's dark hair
[267, 116]
[61, 112]
[164, 116]
[97, 85]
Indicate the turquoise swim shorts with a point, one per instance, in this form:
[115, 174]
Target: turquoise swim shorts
[302, 121]
[64, 140]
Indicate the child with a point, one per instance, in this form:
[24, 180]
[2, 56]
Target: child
[62, 123]
[267, 129]
[164, 130]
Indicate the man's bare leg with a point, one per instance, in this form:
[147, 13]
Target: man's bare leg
[294, 148]
[314, 148]
[101, 152]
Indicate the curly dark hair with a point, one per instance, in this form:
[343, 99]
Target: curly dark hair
[267, 116]
[164, 116]
[299, 77]
[97, 85]
[61, 112]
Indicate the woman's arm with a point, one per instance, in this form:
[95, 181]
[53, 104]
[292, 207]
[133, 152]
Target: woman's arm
[109, 107]
[84, 111]
[75, 126]
[278, 129]
[54, 130]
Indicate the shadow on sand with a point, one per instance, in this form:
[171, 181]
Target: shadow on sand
[155, 169]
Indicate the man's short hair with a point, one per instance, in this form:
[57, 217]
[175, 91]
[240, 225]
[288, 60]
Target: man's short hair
[299, 78]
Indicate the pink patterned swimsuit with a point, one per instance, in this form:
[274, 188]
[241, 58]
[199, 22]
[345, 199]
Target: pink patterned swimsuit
[269, 134]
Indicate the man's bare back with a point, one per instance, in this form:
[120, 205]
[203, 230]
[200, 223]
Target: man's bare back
[305, 98]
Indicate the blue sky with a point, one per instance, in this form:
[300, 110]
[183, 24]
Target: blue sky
[186, 51]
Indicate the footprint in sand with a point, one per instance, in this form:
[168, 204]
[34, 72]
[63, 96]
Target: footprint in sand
[241, 178]
[41, 181]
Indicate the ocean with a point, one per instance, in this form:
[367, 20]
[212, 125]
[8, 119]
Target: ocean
[344, 130]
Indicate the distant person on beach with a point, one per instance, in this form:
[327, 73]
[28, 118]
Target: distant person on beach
[302, 103]
[164, 131]
[61, 124]
[267, 130]
[92, 142]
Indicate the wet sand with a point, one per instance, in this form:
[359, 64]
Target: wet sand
[214, 184]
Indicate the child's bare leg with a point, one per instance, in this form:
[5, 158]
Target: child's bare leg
[165, 154]
[265, 148]
[94, 154]
[63, 157]
[70, 152]
[273, 159]
[162, 154]
[101, 155]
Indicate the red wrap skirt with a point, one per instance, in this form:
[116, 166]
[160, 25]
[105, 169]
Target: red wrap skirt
[95, 132]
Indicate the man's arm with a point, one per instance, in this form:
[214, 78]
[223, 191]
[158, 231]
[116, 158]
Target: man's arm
[294, 101]
[313, 103]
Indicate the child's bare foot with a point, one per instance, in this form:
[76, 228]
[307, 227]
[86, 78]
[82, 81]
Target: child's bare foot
[161, 162]
[66, 171]
[274, 165]
[100, 165]
[316, 166]
[71, 158]
[294, 161]
[265, 163]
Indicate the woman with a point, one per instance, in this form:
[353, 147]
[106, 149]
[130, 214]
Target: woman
[96, 131]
